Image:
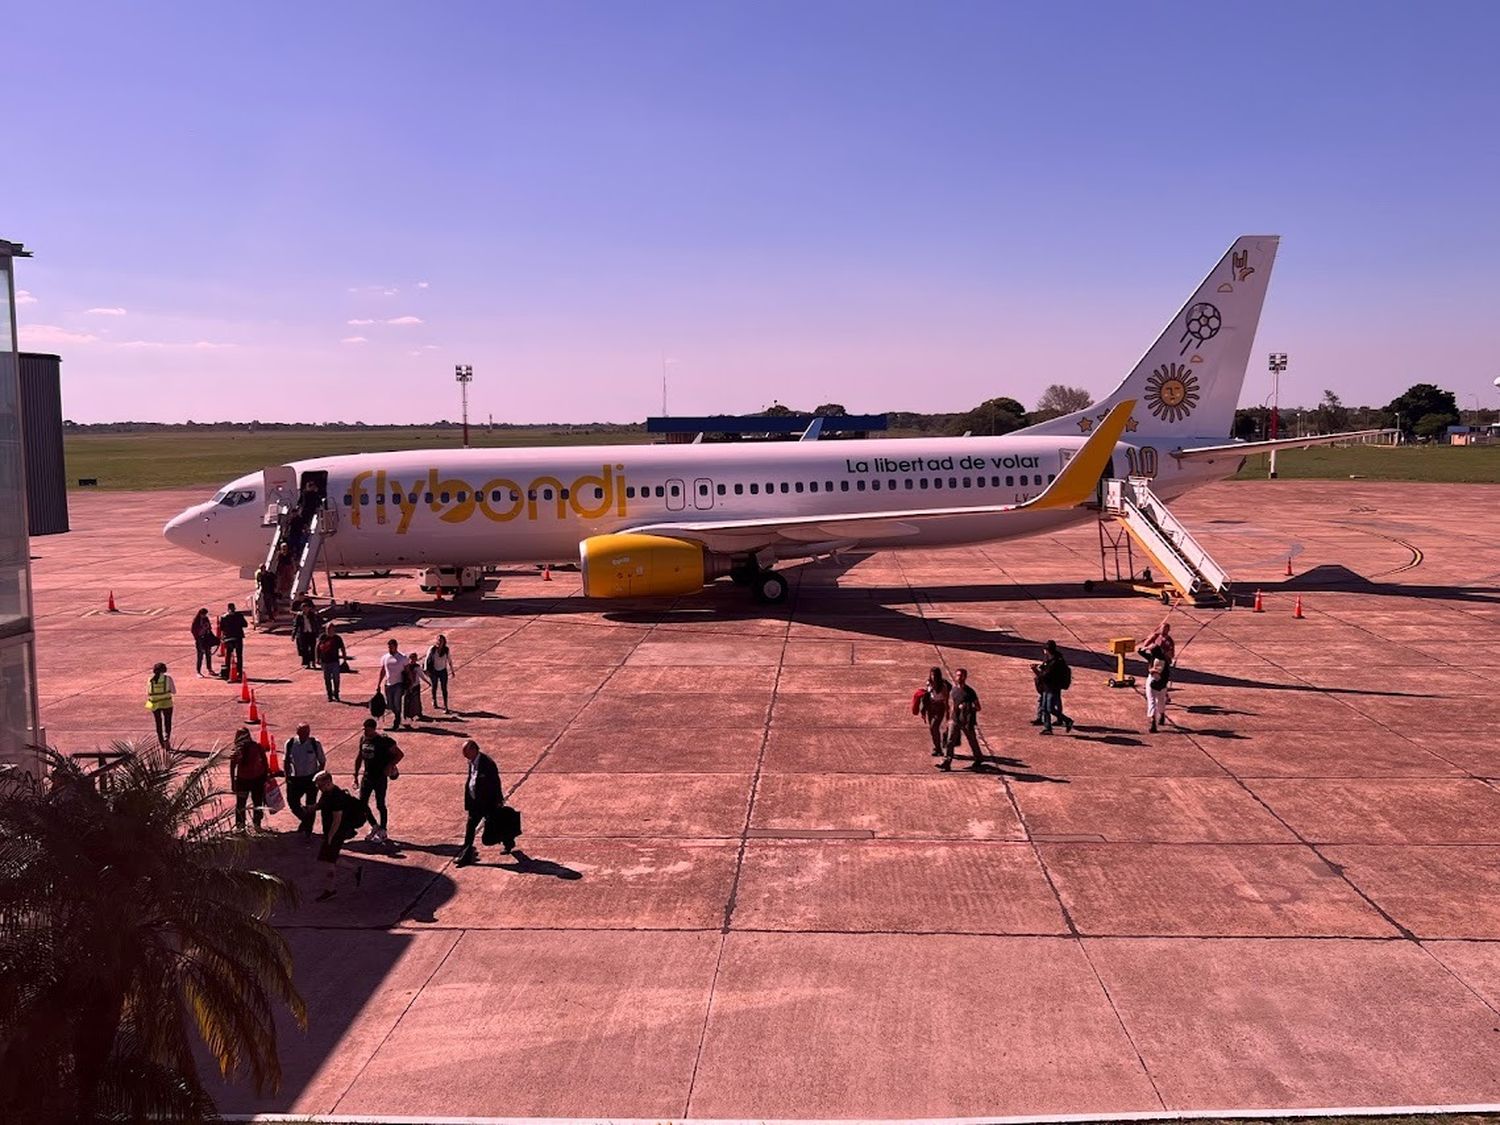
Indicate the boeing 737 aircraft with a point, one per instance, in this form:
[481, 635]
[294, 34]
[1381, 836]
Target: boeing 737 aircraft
[669, 519]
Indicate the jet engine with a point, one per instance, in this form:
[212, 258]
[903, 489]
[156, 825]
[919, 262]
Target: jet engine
[629, 565]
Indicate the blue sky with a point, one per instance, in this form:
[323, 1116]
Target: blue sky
[312, 211]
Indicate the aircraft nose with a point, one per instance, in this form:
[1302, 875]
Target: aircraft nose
[185, 529]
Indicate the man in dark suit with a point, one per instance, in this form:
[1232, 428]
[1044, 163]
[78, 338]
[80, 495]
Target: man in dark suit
[482, 797]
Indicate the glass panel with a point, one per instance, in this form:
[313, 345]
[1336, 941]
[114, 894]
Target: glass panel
[16, 731]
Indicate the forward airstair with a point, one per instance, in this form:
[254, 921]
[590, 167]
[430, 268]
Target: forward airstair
[1131, 514]
[284, 518]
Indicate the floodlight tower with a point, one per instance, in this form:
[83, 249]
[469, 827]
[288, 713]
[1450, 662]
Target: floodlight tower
[1277, 365]
[463, 375]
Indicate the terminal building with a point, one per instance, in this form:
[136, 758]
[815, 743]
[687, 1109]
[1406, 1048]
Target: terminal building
[19, 726]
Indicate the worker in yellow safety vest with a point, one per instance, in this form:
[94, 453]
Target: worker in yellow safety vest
[159, 693]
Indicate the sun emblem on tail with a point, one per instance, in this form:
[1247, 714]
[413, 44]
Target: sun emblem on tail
[1172, 392]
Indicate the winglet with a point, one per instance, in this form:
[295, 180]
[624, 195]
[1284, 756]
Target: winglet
[1079, 480]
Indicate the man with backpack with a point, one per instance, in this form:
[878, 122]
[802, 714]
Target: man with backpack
[378, 755]
[1053, 677]
[331, 657]
[249, 771]
[343, 816]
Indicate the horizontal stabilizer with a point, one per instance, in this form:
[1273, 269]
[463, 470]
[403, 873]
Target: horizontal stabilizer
[1246, 448]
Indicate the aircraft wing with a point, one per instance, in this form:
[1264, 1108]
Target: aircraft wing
[1077, 484]
[1246, 448]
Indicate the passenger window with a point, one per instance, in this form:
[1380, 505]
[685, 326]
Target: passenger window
[874, 486]
[630, 492]
[952, 482]
[675, 491]
[443, 496]
[412, 499]
[910, 484]
[1051, 477]
[563, 494]
[799, 487]
[495, 496]
[530, 495]
[462, 496]
[770, 487]
[891, 485]
[348, 500]
[785, 487]
[843, 486]
[427, 497]
[722, 490]
[937, 482]
[703, 490]
[812, 486]
[967, 483]
[598, 494]
[754, 489]
[860, 485]
[660, 491]
[364, 499]
[828, 486]
[921, 482]
[739, 490]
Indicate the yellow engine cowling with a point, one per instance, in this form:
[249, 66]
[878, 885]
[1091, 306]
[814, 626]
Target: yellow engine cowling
[634, 566]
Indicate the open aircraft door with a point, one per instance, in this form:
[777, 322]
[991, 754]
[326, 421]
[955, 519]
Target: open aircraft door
[280, 490]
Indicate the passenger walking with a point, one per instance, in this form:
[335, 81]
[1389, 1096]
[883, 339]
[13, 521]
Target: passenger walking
[304, 761]
[377, 760]
[1053, 677]
[933, 707]
[265, 596]
[159, 693]
[439, 664]
[483, 797]
[343, 816]
[963, 720]
[204, 642]
[232, 629]
[286, 571]
[1158, 677]
[392, 669]
[248, 773]
[331, 657]
[305, 629]
[411, 684]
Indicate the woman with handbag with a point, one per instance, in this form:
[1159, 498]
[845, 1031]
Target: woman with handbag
[933, 707]
[204, 642]
[439, 666]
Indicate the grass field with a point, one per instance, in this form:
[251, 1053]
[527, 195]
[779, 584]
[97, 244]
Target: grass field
[182, 459]
[1442, 464]
[188, 458]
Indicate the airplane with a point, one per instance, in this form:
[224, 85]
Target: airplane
[671, 519]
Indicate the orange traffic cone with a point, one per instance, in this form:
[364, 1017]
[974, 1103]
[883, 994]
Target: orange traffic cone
[547, 573]
[265, 736]
[254, 715]
[1297, 609]
[1289, 566]
[1259, 605]
[110, 608]
[236, 677]
[219, 632]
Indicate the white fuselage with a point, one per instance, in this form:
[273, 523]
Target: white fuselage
[473, 507]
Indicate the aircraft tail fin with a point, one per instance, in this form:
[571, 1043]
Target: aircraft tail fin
[1188, 382]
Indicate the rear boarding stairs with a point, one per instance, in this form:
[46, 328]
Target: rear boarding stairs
[1132, 516]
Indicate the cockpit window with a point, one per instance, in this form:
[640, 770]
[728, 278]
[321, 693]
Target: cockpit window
[234, 497]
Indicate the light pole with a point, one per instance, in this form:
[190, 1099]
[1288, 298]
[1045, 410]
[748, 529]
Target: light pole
[1277, 365]
[463, 375]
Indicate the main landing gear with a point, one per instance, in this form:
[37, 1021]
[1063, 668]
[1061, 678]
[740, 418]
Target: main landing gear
[765, 585]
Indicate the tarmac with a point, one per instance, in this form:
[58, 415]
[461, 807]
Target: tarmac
[746, 892]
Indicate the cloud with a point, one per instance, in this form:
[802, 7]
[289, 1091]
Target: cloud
[24, 298]
[422, 284]
[110, 311]
[360, 320]
[405, 321]
[375, 290]
[423, 350]
[33, 335]
[353, 340]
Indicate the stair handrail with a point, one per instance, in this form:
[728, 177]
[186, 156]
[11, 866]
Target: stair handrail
[1174, 532]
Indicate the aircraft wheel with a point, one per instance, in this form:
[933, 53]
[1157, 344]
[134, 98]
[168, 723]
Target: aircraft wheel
[770, 588]
[1166, 598]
